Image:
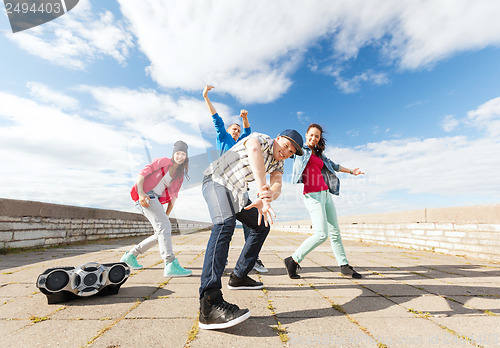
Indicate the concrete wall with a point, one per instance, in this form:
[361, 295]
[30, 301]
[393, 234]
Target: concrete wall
[30, 224]
[471, 231]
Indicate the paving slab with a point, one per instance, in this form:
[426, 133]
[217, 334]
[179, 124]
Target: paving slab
[27, 307]
[10, 327]
[165, 308]
[55, 333]
[491, 304]
[252, 333]
[146, 333]
[95, 308]
[140, 291]
[410, 332]
[482, 329]
[10, 290]
[432, 304]
[334, 331]
[406, 298]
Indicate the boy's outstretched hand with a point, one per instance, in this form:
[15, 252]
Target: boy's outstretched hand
[264, 208]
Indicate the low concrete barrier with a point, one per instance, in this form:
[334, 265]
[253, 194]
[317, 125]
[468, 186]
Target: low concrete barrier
[30, 224]
[470, 231]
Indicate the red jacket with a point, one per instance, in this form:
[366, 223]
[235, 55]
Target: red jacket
[152, 174]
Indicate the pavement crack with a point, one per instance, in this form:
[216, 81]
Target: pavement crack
[280, 330]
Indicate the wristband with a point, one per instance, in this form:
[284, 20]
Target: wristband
[352, 172]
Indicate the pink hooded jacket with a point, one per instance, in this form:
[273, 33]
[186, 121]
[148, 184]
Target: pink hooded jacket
[152, 174]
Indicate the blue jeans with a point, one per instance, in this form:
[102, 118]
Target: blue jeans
[324, 220]
[246, 229]
[222, 208]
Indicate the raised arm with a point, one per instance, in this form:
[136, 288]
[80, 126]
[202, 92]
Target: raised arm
[207, 101]
[244, 117]
[246, 125]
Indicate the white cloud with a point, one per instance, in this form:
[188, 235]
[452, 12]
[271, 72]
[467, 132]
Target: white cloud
[417, 103]
[353, 84]
[247, 49]
[352, 133]
[437, 167]
[251, 49]
[93, 161]
[63, 157]
[449, 123]
[46, 95]
[450, 26]
[77, 38]
[191, 205]
[72, 160]
[487, 117]
[158, 116]
[302, 117]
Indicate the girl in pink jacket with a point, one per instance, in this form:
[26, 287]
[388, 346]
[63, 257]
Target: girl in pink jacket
[159, 183]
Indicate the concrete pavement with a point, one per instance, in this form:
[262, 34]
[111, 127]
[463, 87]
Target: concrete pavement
[407, 298]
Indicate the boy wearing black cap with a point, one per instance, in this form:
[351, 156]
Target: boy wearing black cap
[224, 187]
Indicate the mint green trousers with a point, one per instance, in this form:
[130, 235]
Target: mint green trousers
[325, 225]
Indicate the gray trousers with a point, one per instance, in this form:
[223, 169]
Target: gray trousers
[156, 215]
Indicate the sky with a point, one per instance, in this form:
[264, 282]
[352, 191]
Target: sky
[408, 91]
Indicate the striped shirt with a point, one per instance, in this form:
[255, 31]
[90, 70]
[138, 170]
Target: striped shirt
[232, 170]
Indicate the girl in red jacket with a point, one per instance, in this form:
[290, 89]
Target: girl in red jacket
[159, 183]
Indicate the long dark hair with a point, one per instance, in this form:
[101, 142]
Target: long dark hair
[320, 147]
[182, 169]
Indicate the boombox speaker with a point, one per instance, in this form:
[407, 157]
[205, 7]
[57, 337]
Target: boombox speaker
[66, 283]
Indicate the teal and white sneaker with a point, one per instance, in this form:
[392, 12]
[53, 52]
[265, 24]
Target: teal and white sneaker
[131, 260]
[173, 269]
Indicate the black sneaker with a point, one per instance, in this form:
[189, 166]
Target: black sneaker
[215, 313]
[291, 267]
[245, 283]
[349, 271]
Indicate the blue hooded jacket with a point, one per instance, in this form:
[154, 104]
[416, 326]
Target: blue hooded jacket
[224, 140]
[328, 170]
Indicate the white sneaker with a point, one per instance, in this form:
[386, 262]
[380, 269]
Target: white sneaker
[259, 267]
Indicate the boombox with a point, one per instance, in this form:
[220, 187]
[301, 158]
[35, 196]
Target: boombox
[65, 283]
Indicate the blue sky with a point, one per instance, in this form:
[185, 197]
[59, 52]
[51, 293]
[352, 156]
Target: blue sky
[407, 91]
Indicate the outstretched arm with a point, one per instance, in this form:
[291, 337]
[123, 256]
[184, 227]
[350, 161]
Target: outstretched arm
[207, 101]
